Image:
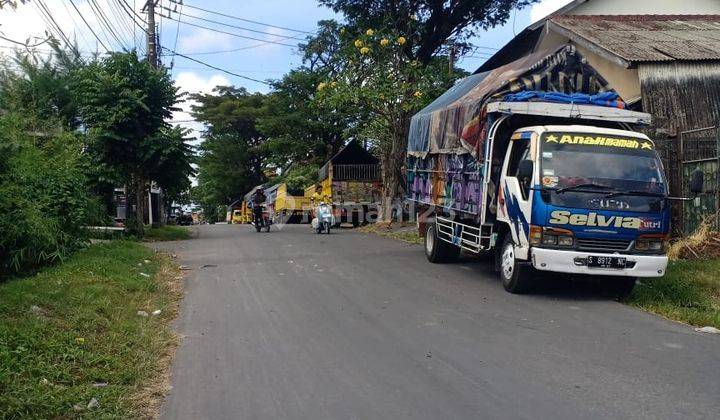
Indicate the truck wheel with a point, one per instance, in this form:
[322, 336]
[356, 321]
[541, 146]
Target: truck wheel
[622, 287]
[515, 276]
[437, 250]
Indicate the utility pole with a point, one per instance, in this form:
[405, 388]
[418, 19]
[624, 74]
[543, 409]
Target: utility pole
[152, 55]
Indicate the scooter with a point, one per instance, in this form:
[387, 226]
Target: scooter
[324, 219]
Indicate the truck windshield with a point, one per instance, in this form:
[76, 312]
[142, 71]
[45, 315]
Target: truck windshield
[601, 172]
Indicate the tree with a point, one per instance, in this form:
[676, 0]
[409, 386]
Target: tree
[230, 161]
[297, 130]
[422, 34]
[44, 196]
[380, 79]
[428, 24]
[125, 103]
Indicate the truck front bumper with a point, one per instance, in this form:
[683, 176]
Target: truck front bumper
[572, 262]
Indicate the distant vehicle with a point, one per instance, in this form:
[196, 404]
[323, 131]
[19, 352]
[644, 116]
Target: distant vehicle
[289, 205]
[324, 219]
[184, 220]
[349, 184]
[263, 222]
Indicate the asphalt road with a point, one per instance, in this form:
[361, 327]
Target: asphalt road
[292, 325]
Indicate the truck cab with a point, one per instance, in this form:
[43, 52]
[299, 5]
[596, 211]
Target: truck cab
[581, 199]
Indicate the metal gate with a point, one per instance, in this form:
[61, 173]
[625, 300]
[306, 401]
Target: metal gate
[700, 150]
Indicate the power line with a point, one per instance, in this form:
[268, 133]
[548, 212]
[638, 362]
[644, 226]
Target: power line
[234, 69]
[215, 67]
[104, 20]
[130, 11]
[226, 51]
[232, 34]
[88, 25]
[86, 53]
[235, 26]
[118, 16]
[52, 24]
[243, 19]
[75, 25]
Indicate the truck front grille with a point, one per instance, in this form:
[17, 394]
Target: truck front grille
[606, 245]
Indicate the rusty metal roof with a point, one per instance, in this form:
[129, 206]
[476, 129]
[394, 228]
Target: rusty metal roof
[647, 38]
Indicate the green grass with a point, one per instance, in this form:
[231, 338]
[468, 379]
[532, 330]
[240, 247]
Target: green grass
[405, 236]
[88, 332]
[689, 292]
[167, 233]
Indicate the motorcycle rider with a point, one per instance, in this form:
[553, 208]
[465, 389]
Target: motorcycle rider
[257, 200]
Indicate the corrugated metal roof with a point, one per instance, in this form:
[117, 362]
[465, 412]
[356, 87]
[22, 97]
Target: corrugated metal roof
[647, 38]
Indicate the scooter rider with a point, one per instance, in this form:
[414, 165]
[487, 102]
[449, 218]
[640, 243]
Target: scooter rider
[258, 198]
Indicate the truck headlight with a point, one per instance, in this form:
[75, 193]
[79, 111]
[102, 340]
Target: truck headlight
[550, 236]
[565, 240]
[652, 242]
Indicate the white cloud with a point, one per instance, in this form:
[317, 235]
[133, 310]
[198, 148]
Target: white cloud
[190, 82]
[26, 21]
[545, 7]
[204, 40]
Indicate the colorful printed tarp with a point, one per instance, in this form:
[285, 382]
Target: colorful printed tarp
[455, 123]
[446, 180]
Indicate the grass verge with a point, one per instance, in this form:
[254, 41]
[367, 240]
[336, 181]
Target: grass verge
[689, 292]
[71, 335]
[166, 233]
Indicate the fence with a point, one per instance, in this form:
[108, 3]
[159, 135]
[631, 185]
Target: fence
[699, 150]
[360, 172]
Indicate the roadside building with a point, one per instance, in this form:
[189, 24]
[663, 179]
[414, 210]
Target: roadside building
[666, 64]
[350, 182]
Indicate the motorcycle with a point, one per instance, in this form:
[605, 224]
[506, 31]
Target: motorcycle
[262, 222]
[324, 219]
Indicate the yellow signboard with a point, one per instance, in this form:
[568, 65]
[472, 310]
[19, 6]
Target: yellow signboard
[599, 140]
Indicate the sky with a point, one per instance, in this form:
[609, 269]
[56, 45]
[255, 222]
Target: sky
[275, 22]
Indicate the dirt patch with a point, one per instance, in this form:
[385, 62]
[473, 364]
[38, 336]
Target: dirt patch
[703, 244]
[148, 399]
[405, 231]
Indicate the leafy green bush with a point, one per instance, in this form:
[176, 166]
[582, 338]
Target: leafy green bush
[44, 198]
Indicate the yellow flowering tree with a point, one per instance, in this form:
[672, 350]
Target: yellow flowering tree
[387, 87]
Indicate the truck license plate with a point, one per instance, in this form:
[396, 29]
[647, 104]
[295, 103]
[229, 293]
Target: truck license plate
[595, 261]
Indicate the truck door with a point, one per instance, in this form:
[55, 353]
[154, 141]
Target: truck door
[515, 192]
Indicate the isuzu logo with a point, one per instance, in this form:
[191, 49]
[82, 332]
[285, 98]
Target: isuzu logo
[564, 217]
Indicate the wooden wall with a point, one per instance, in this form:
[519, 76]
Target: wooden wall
[681, 97]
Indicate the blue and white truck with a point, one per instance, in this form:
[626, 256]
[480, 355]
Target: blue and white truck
[547, 181]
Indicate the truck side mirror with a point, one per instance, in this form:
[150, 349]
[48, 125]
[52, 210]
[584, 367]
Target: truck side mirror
[697, 181]
[525, 170]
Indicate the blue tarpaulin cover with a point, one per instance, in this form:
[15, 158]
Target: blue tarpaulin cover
[609, 99]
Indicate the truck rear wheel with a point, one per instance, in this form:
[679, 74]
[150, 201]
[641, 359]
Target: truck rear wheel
[437, 250]
[515, 276]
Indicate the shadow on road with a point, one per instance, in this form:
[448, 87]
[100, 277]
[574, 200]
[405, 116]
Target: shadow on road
[552, 285]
